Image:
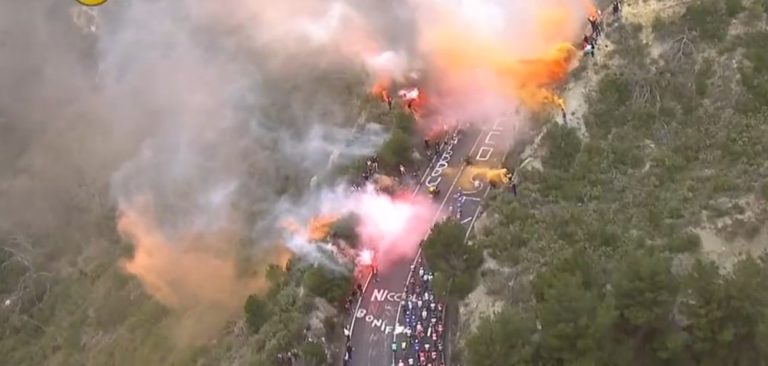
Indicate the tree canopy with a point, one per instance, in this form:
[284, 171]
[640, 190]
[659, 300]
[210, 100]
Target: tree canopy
[331, 285]
[454, 262]
[643, 314]
[257, 312]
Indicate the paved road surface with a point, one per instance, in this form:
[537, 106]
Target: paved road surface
[376, 318]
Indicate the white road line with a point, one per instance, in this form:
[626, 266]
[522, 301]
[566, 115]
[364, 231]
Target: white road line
[474, 217]
[424, 176]
[357, 308]
[418, 253]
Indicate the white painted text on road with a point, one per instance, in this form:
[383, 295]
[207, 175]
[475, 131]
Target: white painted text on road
[375, 322]
[386, 295]
[486, 150]
[437, 173]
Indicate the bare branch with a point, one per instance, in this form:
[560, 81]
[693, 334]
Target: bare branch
[18, 256]
[682, 48]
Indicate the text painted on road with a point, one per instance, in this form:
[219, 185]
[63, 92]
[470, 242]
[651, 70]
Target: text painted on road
[437, 173]
[486, 150]
[386, 295]
[375, 322]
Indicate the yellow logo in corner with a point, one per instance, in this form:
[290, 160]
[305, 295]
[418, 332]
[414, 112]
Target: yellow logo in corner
[91, 2]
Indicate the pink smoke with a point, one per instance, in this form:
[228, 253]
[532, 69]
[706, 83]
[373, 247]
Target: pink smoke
[393, 226]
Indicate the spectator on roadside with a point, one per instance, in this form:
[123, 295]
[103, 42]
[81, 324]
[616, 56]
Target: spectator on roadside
[589, 50]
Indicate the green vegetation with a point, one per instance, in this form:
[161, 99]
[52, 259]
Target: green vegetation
[398, 149]
[454, 263]
[608, 230]
[346, 229]
[314, 354]
[395, 151]
[643, 314]
[511, 325]
[563, 145]
[325, 283]
[277, 320]
[256, 312]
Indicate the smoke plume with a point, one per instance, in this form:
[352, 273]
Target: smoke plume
[204, 123]
[231, 126]
[190, 119]
[390, 226]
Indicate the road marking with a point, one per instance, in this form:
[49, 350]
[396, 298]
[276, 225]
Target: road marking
[488, 190]
[453, 184]
[418, 253]
[439, 167]
[488, 137]
[370, 275]
[375, 322]
[359, 301]
[436, 160]
[385, 295]
[424, 176]
[484, 153]
[474, 217]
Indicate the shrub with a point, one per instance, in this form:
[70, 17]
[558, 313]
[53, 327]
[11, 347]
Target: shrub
[346, 229]
[257, 312]
[733, 8]
[764, 190]
[395, 151]
[563, 145]
[322, 282]
[687, 242]
[705, 18]
[314, 354]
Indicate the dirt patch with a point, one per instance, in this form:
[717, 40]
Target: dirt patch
[576, 101]
[477, 305]
[727, 252]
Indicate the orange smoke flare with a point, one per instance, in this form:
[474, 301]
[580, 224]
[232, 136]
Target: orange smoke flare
[483, 174]
[192, 270]
[318, 228]
[476, 65]
[523, 79]
[379, 91]
[590, 7]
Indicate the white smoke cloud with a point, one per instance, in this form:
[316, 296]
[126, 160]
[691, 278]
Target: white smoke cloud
[211, 119]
